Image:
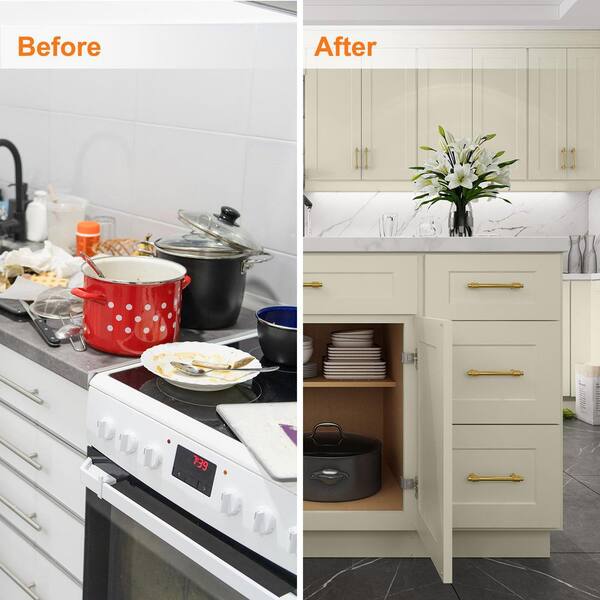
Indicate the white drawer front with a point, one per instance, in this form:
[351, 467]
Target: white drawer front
[360, 284]
[455, 287]
[52, 528]
[531, 451]
[531, 350]
[42, 459]
[44, 396]
[30, 567]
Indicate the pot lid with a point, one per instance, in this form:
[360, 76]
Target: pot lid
[223, 228]
[323, 442]
[196, 245]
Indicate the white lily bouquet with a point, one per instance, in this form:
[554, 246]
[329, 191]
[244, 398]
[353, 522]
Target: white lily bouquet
[460, 172]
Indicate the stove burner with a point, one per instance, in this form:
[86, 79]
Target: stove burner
[242, 393]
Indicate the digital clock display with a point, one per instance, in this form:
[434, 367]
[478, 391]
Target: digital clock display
[195, 470]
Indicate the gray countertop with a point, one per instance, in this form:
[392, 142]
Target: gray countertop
[79, 367]
[437, 244]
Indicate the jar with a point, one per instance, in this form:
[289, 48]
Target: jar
[88, 237]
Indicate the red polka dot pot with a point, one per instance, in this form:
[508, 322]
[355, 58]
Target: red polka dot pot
[135, 306]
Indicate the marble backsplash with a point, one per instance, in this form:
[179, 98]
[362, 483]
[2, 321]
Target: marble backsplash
[530, 214]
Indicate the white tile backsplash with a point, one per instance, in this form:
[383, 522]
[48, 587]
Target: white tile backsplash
[138, 145]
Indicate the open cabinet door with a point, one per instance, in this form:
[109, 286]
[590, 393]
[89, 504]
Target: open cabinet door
[434, 441]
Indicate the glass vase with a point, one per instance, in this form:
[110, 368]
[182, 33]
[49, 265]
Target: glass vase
[589, 254]
[575, 259]
[460, 220]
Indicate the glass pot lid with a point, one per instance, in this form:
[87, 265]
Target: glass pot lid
[195, 244]
[223, 228]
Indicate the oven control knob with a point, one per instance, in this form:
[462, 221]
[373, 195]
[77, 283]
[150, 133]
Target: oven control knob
[128, 442]
[293, 540]
[264, 521]
[231, 503]
[106, 429]
[152, 458]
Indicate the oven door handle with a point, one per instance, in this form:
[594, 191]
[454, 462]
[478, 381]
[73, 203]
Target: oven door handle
[102, 484]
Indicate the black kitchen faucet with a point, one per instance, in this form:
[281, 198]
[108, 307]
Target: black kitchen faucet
[15, 225]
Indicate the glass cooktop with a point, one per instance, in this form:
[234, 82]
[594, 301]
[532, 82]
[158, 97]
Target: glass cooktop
[277, 386]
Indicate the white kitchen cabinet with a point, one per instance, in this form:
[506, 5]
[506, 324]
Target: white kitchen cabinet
[583, 119]
[445, 94]
[500, 102]
[566, 337]
[333, 124]
[389, 128]
[450, 441]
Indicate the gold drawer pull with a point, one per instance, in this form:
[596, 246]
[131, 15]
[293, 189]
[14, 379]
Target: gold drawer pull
[313, 284]
[513, 477]
[515, 285]
[509, 373]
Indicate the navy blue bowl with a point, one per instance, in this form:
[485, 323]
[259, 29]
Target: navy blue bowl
[277, 331]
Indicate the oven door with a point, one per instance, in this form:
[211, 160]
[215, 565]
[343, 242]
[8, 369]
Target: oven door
[140, 546]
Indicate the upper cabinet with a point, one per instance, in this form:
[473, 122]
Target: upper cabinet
[445, 94]
[500, 102]
[364, 127]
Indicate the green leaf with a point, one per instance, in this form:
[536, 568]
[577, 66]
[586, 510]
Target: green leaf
[507, 163]
[499, 154]
[420, 196]
[428, 148]
[417, 168]
[442, 132]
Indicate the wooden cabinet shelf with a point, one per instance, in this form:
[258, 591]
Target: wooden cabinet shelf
[321, 382]
[389, 497]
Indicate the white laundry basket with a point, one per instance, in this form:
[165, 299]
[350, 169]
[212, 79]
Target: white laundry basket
[587, 393]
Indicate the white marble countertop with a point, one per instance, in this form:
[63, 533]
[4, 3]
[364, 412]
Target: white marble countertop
[437, 244]
[581, 276]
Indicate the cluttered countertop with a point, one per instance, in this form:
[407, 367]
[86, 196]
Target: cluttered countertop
[79, 367]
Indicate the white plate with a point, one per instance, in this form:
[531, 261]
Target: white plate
[157, 360]
[354, 377]
[354, 332]
[361, 370]
[352, 344]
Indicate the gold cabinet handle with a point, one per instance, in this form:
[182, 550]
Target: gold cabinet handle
[509, 373]
[513, 477]
[574, 159]
[366, 157]
[313, 284]
[563, 158]
[515, 285]
[356, 153]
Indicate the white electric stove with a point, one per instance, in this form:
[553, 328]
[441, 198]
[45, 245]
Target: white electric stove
[165, 474]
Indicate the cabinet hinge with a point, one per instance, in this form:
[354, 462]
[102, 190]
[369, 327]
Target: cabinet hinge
[410, 484]
[410, 358]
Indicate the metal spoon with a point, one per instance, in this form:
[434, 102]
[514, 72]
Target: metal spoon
[197, 371]
[92, 265]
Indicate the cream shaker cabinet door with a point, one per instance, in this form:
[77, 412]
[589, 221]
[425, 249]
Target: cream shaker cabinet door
[548, 152]
[500, 102]
[506, 372]
[445, 94]
[566, 339]
[389, 128]
[332, 124]
[584, 113]
[434, 442]
[581, 325]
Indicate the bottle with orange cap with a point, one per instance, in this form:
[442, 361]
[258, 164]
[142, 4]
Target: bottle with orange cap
[88, 237]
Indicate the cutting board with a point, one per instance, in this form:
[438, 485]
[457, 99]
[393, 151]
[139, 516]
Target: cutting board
[269, 431]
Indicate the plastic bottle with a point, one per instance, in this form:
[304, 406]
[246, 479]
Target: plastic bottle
[36, 223]
[88, 237]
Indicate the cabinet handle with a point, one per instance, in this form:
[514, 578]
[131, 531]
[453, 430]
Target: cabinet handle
[313, 284]
[356, 152]
[366, 157]
[515, 285]
[32, 395]
[28, 589]
[513, 477]
[28, 458]
[574, 159]
[29, 519]
[509, 373]
[563, 158]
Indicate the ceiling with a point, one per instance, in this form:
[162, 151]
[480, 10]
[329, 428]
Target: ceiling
[555, 14]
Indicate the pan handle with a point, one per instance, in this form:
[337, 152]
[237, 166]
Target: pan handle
[255, 259]
[327, 424]
[85, 295]
[330, 476]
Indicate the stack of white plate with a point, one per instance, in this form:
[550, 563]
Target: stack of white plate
[310, 370]
[352, 355]
[308, 348]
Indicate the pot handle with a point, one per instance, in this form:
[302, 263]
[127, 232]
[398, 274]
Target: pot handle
[85, 295]
[255, 259]
[330, 476]
[324, 424]
[185, 282]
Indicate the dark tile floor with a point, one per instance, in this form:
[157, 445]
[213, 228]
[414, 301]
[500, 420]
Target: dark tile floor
[571, 573]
